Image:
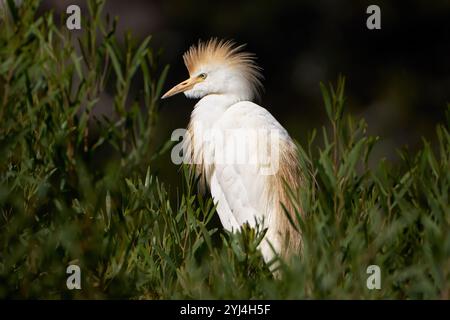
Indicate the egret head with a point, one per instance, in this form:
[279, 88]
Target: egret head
[219, 67]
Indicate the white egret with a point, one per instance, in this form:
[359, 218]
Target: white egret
[226, 80]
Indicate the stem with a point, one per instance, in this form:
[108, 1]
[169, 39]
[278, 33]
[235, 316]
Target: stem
[6, 93]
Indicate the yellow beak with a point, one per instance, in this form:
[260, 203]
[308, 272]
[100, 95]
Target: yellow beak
[181, 87]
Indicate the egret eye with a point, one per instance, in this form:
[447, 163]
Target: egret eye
[202, 76]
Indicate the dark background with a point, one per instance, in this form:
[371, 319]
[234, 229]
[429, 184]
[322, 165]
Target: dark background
[398, 78]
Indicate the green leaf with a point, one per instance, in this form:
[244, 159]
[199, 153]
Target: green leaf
[326, 100]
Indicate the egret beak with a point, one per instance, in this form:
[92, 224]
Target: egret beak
[181, 87]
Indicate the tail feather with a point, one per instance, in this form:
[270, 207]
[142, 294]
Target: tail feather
[288, 176]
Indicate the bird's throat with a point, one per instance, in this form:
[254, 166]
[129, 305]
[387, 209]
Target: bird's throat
[210, 108]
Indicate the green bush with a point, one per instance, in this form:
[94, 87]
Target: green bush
[76, 188]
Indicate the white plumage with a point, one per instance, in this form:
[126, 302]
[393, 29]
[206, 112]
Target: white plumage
[242, 151]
